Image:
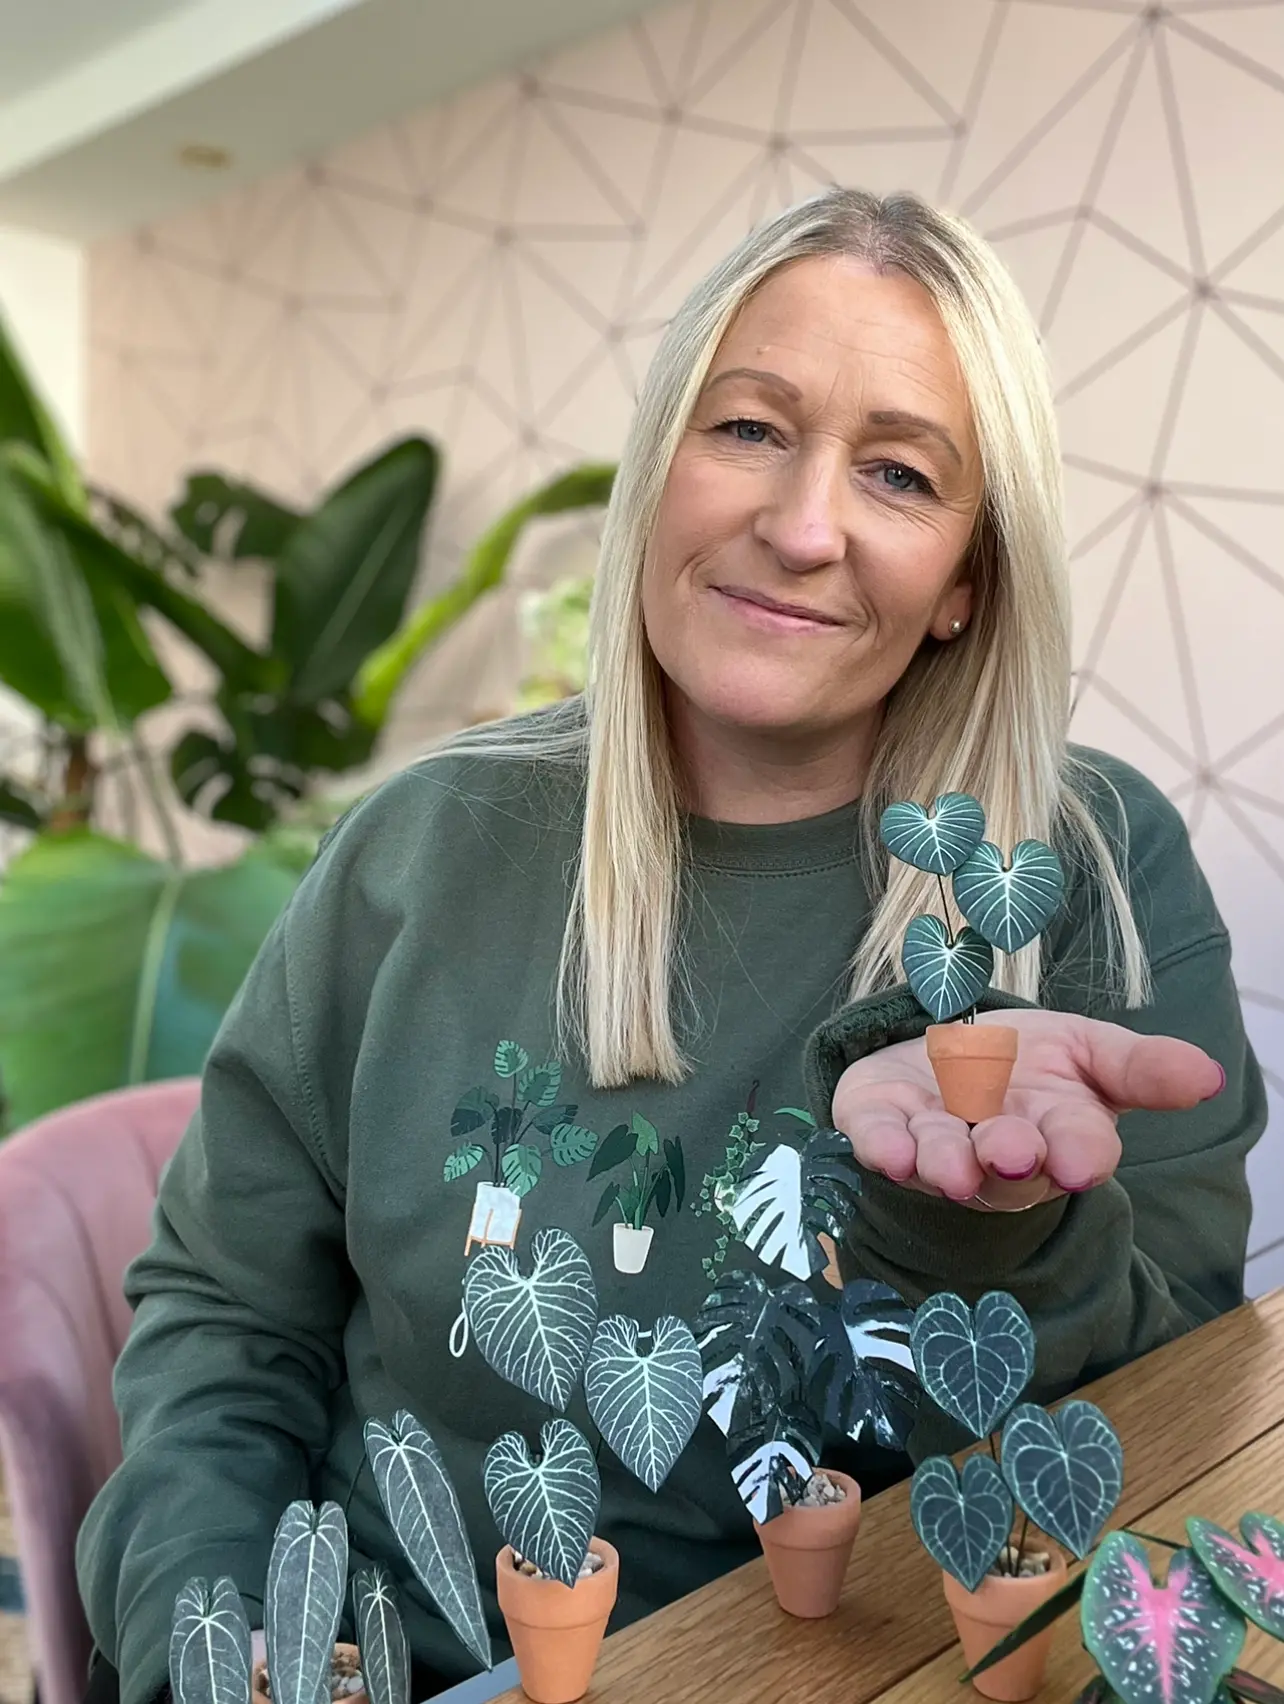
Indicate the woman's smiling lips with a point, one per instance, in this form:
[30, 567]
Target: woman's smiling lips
[772, 615]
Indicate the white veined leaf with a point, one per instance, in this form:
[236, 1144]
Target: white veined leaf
[209, 1646]
[1065, 1470]
[947, 977]
[646, 1406]
[381, 1638]
[1009, 907]
[423, 1510]
[306, 1581]
[973, 1366]
[752, 1474]
[534, 1331]
[963, 1522]
[547, 1509]
[938, 843]
[793, 1197]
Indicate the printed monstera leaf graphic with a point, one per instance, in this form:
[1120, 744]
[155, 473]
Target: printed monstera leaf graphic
[1065, 1470]
[645, 1402]
[1250, 1573]
[793, 1197]
[209, 1647]
[755, 1344]
[1009, 905]
[545, 1509]
[423, 1509]
[1169, 1644]
[973, 1366]
[381, 1638]
[534, 1331]
[862, 1377]
[306, 1581]
[938, 843]
[964, 1522]
[948, 976]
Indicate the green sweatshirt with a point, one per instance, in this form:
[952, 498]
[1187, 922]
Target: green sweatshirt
[308, 1253]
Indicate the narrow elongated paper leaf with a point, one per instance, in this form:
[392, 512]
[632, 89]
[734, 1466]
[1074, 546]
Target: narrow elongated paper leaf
[534, 1331]
[645, 1404]
[209, 1647]
[793, 1198]
[1169, 1644]
[545, 1509]
[306, 1582]
[1049, 1611]
[1009, 906]
[963, 1522]
[973, 1365]
[381, 1638]
[938, 843]
[1251, 1572]
[422, 1507]
[947, 977]
[1065, 1470]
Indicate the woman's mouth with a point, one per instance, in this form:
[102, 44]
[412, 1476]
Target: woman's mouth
[772, 616]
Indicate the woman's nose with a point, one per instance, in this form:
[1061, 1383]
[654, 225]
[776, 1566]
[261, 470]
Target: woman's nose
[804, 516]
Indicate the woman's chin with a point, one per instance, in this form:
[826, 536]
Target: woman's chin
[774, 710]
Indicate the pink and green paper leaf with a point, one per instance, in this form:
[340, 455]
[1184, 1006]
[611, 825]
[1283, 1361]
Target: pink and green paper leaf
[1250, 1573]
[1169, 1644]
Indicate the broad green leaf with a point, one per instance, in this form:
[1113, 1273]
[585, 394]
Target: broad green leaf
[661, 1191]
[572, 1143]
[974, 1366]
[385, 670]
[947, 977]
[963, 1522]
[422, 1506]
[537, 1085]
[646, 1140]
[209, 1645]
[24, 419]
[234, 522]
[677, 1169]
[462, 1160]
[1009, 905]
[1249, 1570]
[610, 1195]
[534, 1331]
[521, 1165]
[345, 572]
[1064, 1469]
[545, 1509]
[381, 1638]
[476, 1108]
[131, 530]
[938, 843]
[616, 1147]
[793, 1198]
[645, 1402]
[307, 1580]
[547, 1120]
[798, 1112]
[510, 1059]
[136, 960]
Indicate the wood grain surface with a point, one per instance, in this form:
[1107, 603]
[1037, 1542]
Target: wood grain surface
[1202, 1424]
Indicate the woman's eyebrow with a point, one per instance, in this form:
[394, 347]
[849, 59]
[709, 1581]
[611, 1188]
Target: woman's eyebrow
[914, 425]
[760, 374]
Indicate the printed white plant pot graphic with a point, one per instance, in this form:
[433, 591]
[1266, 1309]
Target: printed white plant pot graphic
[631, 1247]
[497, 1213]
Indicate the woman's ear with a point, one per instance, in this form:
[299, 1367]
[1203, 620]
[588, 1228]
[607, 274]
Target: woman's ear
[953, 613]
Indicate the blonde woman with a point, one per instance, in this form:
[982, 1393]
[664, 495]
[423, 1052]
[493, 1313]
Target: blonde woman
[833, 575]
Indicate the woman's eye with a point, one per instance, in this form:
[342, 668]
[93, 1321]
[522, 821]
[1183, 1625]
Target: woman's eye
[901, 478]
[747, 431]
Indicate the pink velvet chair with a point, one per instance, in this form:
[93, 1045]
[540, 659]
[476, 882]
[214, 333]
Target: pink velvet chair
[76, 1195]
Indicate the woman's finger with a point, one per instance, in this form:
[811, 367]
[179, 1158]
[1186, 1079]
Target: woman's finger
[1083, 1145]
[880, 1137]
[947, 1161]
[1154, 1072]
[1012, 1148]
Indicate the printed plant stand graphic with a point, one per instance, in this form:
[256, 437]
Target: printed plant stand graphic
[497, 1213]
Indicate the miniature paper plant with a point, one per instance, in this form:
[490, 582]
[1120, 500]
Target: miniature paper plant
[381, 1638]
[423, 1510]
[546, 1508]
[534, 1330]
[209, 1647]
[793, 1197]
[646, 1404]
[964, 1520]
[1064, 1469]
[1250, 1573]
[306, 1582]
[974, 1366]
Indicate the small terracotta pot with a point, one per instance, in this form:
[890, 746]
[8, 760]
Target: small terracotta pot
[807, 1551]
[972, 1064]
[989, 1614]
[556, 1630]
[259, 1695]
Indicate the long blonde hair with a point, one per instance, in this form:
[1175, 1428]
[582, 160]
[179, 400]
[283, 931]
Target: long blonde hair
[987, 716]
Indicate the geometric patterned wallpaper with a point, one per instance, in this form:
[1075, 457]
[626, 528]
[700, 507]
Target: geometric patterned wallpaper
[495, 271]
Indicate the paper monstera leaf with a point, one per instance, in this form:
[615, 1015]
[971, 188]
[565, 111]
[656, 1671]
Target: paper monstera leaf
[974, 1366]
[306, 1582]
[1249, 1570]
[534, 1330]
[381, 1638]
[1065, 1470]
[1008, 905]
[209, 1646]
[793, 1198]
[947, 975]
[755, 1344]
[423, 1510]
[788, 1447]
[938, 843]
[861, 1375]
[645, 1402]
[545, 1509]
[963, 1520]
[1169, 1644]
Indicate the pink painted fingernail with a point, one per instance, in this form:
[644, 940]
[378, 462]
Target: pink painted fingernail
[1079, 1188]
[1017, 1177]
[1221, 1072]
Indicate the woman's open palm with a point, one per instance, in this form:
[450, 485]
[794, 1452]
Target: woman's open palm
[1057, 1133]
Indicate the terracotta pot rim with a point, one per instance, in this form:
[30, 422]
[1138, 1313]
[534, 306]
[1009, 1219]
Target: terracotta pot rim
[990, 1605]
[796, 1528]
[552, 1605]
[973, 1041]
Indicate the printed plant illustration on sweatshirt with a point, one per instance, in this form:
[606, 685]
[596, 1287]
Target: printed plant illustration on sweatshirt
[723, 1191]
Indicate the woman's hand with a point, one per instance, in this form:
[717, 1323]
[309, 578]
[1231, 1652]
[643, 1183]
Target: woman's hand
[1056, 1135]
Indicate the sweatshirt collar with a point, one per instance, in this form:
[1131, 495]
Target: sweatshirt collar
[814, 843]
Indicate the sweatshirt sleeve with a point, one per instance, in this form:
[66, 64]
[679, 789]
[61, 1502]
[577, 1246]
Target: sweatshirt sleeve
[1161, 1248]
[240, 1305]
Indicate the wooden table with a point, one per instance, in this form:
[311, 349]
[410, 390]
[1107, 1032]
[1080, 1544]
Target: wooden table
[1202, 1424]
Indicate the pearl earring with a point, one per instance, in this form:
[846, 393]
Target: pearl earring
[956, 627]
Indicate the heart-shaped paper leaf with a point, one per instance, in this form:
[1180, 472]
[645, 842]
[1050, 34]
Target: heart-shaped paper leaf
[423, 1510]
[209, 1647]
[546, 1509]
[1065, 1470]
[306, 1582]
[1169, 1644]
[938, 843]
[1251, 1573]
[793, 1198]
[1008, 907]
[535, 1332]
[974, 1366]
[963, 1524]
[381, 1638]
[646, 1405]
[947, 977]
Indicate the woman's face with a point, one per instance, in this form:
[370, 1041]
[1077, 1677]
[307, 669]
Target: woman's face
[818, 509]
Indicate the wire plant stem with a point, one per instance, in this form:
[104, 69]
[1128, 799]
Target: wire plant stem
[1025, 1528]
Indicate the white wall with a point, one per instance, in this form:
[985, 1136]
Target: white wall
[42, 297]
